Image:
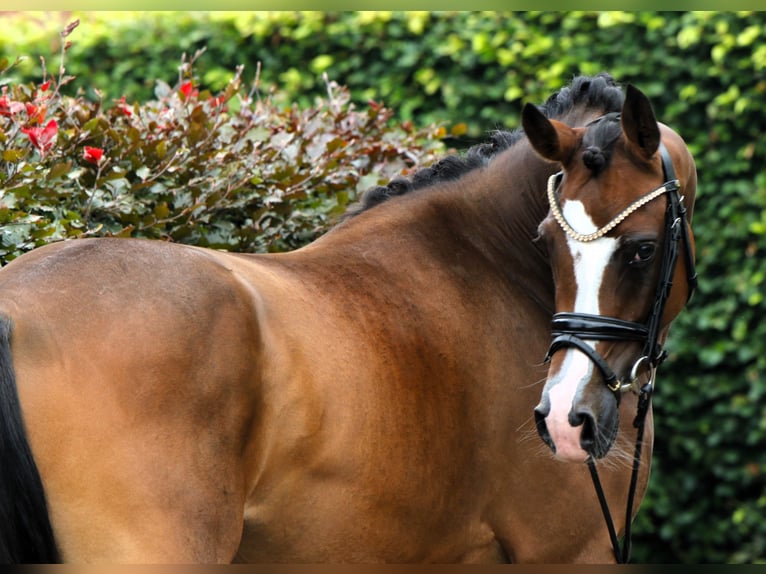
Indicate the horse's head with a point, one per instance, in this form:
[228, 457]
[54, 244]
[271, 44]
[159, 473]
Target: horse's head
[622, 261]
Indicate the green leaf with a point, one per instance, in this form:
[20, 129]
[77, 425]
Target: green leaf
[13, 155]
[59, 169]
[143, 172]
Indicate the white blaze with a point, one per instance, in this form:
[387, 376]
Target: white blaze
[590, 261]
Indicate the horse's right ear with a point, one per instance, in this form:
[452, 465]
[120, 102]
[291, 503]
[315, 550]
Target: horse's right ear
[552, 139]
[639, 124]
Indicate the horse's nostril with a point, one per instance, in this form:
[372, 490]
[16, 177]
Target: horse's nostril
[576, 419]
[542, 427]
[588, 433]
[594, 439]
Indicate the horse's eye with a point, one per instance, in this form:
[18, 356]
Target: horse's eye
[644, 252]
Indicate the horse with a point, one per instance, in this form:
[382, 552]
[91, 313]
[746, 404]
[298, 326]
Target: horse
[377, 396]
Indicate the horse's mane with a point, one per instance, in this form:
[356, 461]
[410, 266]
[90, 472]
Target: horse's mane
[590, 92]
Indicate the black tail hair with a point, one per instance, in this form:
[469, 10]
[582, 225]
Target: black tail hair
[26, 535]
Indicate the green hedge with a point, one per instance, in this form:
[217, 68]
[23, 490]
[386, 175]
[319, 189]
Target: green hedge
[706, 75]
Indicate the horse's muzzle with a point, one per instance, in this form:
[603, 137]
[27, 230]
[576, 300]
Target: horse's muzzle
[589, 430]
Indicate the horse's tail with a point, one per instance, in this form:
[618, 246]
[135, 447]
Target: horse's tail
[26, 535]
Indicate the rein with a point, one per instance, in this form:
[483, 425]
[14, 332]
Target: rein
[574, 329]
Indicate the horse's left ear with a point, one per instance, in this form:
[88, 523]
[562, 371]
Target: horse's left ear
[639, 124]
[552, 139]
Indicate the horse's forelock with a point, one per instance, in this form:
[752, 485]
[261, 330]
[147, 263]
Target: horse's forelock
[598, 142]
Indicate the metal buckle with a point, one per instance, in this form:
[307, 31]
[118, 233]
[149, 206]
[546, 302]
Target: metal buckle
[616, 387]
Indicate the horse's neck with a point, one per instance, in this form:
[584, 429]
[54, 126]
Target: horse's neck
[486, 220]
[510, 203]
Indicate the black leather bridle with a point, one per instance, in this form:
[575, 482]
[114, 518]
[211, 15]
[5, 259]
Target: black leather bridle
[574, 329]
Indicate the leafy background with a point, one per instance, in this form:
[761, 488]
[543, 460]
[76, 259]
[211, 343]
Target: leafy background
[470, 72]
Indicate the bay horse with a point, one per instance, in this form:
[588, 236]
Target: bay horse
[372, 397]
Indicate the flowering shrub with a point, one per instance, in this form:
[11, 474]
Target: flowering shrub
[229, 170]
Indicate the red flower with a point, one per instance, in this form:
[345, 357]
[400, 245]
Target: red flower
[42, 138]
[187, 90]
[124, 107]
[36, 114]
[8, 107]
[218, 102]
[92, 154]
[45, 85]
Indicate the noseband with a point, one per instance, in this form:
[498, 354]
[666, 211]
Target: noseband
[574, 329]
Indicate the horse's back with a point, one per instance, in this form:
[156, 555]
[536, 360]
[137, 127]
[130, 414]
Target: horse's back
[134, 367]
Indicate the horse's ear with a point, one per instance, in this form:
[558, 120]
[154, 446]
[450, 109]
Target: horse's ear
[552, 139]
[639, 124]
